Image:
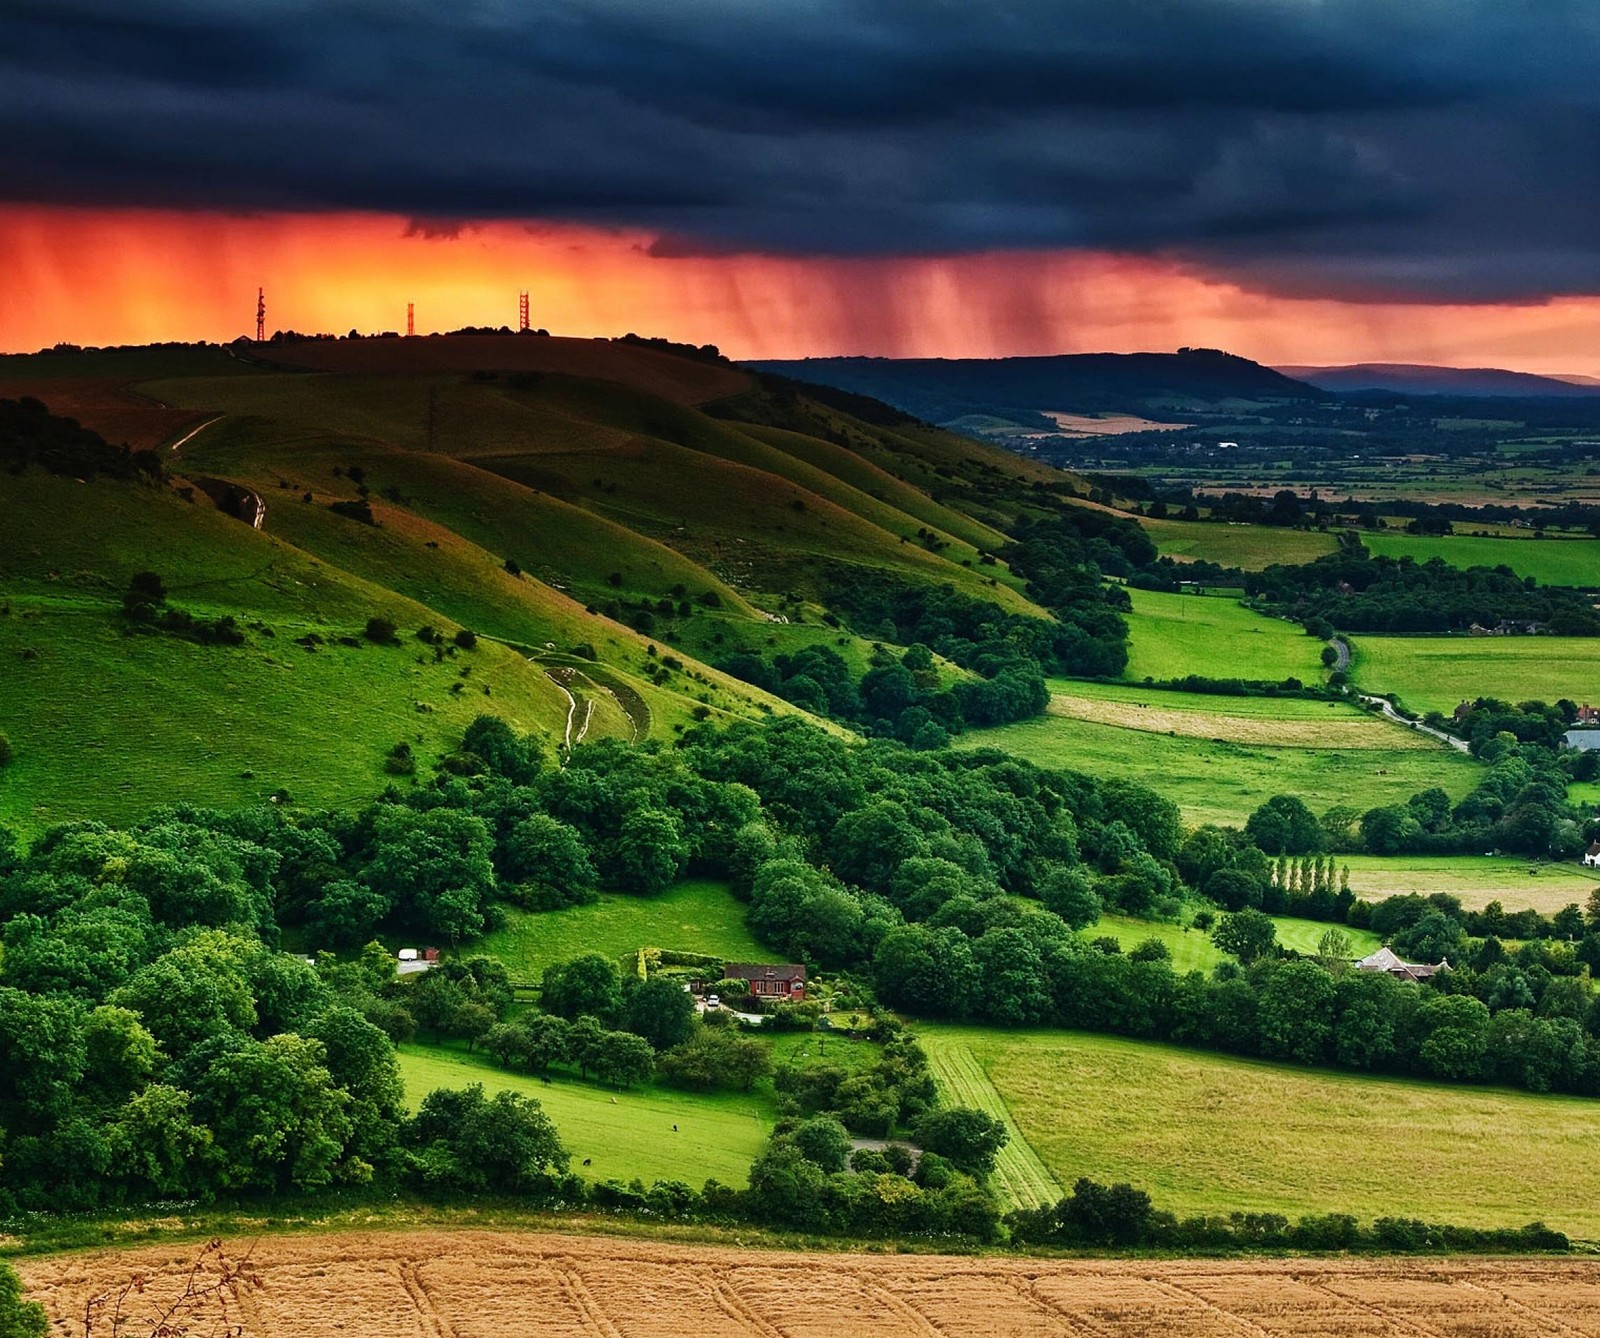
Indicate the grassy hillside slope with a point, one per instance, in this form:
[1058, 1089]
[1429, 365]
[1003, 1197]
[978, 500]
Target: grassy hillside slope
[567, 500]
[615, 488]
[106, 723]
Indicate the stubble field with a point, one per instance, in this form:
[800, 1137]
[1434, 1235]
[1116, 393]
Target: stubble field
[483, 1284]
[1272, 721]
[1517, 884]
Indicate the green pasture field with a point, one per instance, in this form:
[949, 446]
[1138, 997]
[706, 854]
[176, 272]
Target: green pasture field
[1206, 1133]
[1171, 636]
[1225, 782]
[1193, 950]
[698, 915]
[623, 1134]
[1584, 792]
[1548, 561]
[1437, 673]
[806, 1049]
[1250, 547]
[1517, 884]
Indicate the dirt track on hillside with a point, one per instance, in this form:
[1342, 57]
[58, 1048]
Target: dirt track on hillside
[501, 1284]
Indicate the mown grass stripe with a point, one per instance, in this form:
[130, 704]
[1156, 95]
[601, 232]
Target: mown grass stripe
[1022, 1178]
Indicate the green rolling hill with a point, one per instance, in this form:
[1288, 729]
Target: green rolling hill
[607, 518]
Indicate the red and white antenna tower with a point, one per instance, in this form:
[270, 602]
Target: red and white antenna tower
[261, 315]
[411, 319]
[522, 312]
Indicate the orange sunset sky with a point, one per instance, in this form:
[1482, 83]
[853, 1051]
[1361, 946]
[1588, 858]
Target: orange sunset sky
[135, 276]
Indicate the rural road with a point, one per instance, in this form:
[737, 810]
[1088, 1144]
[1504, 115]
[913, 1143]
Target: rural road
[1389, 713]
[193, 432]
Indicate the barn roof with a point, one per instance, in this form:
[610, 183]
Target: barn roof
[763, 971]
[1386, 961]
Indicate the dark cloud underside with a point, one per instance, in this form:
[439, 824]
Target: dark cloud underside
[1430, 148]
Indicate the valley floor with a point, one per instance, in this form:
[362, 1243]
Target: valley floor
[490, 1284]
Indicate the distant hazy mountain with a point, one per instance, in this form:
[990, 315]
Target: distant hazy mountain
[942, 390]
[1410, 379]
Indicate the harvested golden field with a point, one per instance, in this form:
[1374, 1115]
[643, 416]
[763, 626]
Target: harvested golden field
[1106, 425]
[503, 1284]
[1341, 727]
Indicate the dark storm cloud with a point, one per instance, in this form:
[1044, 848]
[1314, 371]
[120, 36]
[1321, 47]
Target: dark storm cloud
[1431, 148]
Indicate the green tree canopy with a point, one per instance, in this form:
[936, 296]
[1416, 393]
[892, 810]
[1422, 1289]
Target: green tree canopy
[1285, 826]
[1248, 935]
[589, 985]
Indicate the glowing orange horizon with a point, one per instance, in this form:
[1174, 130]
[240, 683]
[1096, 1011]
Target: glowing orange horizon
[97, 276]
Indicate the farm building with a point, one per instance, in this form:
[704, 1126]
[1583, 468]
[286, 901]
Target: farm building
[1591, 857]
[1584, 740]
[411, 961]
[1384, 960]
[769, 981]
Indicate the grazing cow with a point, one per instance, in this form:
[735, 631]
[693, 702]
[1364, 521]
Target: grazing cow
[674, 1128]
[587, 1161]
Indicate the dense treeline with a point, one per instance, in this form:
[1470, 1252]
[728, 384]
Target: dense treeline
[1519, 805]
[899, 697]
[31, 435]
[1516, 1022]
[978, 635]
[1289, 508]
[1122, 1217]
[154, 1043]
[1357, 592]
[1063, 557]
